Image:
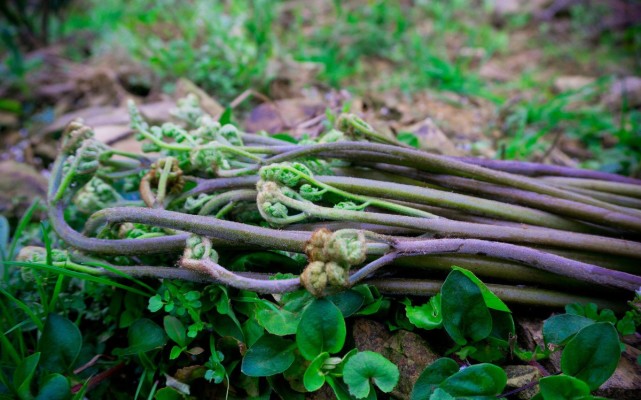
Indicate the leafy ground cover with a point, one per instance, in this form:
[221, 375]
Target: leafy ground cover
[459, 79]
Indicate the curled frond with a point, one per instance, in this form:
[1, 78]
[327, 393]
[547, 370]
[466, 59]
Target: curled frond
[315, 246]
[314, 278]
[199, 248]
[347, 246]
[95, 195]
[231, 134]
[288, 174]
[74, 135]
[275, 210]
[311, 193]
[348, 205]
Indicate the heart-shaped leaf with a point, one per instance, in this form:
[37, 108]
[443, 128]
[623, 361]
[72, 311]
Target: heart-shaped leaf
[593, 354]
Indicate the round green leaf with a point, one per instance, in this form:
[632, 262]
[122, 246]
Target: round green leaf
[144, 335]
[314, 377]
[54, 387]
[563, 387]
[60, 344]
[465, 315]
[476, 380]
[560, 328]
[593, 354]
[367, 365]
[432, 376]
[321, 329]
[270, 355]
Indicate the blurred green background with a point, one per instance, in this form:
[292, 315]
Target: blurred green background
[560, 75]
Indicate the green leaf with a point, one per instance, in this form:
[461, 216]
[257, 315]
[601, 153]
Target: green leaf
[225, 117]
[283, 388]
[175, 330]
[340, 390]
[561, 328]
[314, 377]
[270, 355]
[175, 352]
[23, 375]
[627, 325]
[285, 137]
[562, 387]
[465, 314]
[593, 354]
[155, 303]
[591, 310]
[367, 365]
[348, 301]
[428, 316]
[432, 376]
[491, 300]
[168, 393]
[476, 380]
[278, 321]
[408, 138]
[321, 329]
[59, 344]
[54, 387]
[144, 335]
[252, 331]
[502, 325]
[440, 394]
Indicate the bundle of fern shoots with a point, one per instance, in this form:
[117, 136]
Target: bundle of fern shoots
[350, 206]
